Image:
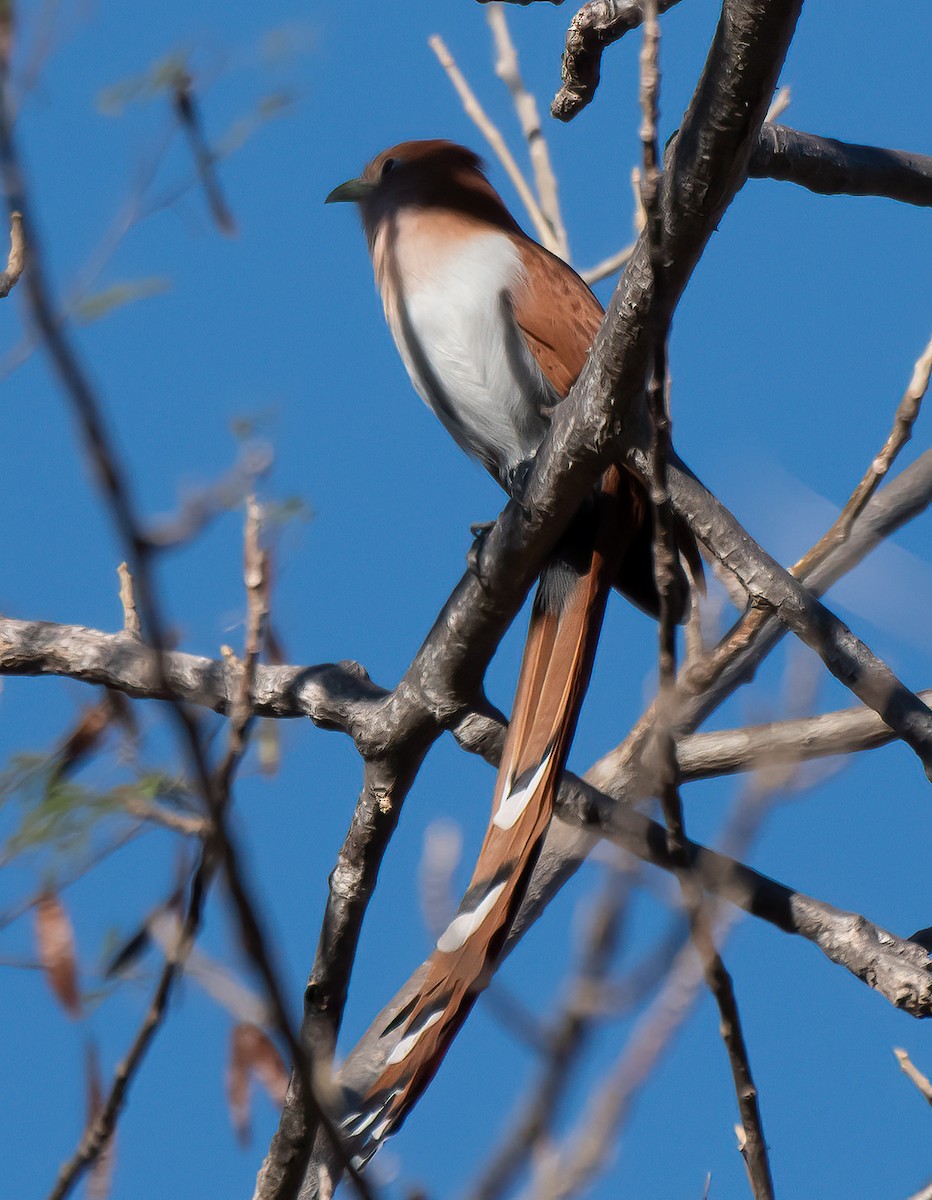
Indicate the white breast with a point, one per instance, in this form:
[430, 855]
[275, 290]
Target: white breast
[450, 314]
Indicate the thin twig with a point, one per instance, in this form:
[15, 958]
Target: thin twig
[753, 1146]
[579, 1156]
[906, 414]
[490, 132]
[508, 71]
[912, 1072]
[99, 1133]
[608, 266]
[188, 115]
[17, 257]
[131, 623]
[158, 814]
[779, 105]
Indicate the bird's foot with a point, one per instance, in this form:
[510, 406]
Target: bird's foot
[479, 531]
[517, 479]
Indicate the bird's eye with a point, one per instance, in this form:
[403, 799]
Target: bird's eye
[387, 166]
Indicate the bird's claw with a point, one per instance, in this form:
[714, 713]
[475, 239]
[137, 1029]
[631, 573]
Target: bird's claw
[518, 477]
[479, 531]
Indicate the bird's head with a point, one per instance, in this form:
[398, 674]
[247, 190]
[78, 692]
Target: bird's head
[429, 174]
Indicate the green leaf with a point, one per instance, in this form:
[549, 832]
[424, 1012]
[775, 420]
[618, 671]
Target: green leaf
[99, 304]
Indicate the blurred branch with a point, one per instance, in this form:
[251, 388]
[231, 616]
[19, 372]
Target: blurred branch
[563, 1046]
[913, 1073]
[202, 506]
[906, 414]
[569, 1165]
[189, 118]
[218, 850]
[525, 103]
[492, 135]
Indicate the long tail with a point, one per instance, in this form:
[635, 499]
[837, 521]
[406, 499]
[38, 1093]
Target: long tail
[564, 628]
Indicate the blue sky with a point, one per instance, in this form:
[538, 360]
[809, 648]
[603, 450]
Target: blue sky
[789, 352]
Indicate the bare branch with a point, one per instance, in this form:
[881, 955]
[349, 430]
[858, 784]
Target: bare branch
[850, 730]
[508, 71]
[834, 168]
[922, 1082]
[906, 415]
[767, 583]
[490, 132]
[567, 844]
[779, 105]
[131, 625]
[341, 696]
[597, 24]
[17, 257]
[608, 266]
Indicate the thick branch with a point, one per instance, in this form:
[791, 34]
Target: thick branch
[342, 696]
[841, 168]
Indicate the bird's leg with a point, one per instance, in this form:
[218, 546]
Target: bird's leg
[514, 481]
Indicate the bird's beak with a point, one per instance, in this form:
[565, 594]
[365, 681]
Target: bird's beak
[353, 189]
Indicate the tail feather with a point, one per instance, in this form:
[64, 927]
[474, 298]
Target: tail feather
[564, 628]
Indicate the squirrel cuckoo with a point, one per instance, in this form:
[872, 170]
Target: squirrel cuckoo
[493, 330]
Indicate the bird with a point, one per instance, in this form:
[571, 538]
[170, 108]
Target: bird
[493, 330]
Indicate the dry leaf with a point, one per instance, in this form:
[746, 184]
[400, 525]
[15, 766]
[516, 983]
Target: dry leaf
[268, 742]
[83, 738]
[252, 1053]
[55, 944]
